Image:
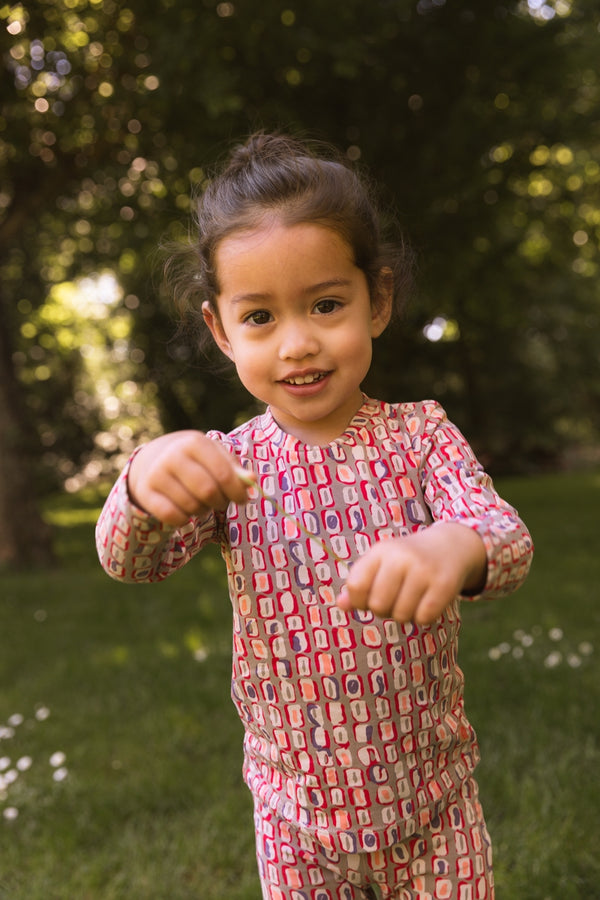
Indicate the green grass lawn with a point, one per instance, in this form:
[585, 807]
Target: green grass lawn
[130, 685]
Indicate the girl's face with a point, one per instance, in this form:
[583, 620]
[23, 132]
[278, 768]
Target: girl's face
[295, 316]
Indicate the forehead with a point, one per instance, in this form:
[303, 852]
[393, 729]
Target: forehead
[274, 249]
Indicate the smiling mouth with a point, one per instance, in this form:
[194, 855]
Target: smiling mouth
[305, 379]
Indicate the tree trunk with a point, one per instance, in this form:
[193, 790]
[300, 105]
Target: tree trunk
[25, 539]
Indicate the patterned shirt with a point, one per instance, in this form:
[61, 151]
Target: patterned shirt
[355, 728]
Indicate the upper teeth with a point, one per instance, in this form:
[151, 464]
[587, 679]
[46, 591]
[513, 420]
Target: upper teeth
[304, 379]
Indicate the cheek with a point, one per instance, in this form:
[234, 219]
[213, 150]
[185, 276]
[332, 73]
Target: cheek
[356, 340]
[250, 362]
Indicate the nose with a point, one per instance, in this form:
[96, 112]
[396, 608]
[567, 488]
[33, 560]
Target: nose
[297, 340]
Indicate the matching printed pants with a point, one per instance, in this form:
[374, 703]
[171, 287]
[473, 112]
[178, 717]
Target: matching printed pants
[452, 860]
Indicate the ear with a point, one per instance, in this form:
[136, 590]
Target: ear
[213, 323]
[381, 302]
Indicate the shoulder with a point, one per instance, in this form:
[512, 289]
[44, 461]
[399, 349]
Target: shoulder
[247, 433]
[416, 418]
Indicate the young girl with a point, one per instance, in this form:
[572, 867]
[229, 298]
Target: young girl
[351, 528]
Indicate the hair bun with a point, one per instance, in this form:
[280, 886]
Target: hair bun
[264, 147]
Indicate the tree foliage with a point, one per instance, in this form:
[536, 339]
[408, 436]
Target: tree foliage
[479, 120]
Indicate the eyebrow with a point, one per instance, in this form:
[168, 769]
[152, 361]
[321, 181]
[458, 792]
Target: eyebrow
[249, 298]
[257, 297]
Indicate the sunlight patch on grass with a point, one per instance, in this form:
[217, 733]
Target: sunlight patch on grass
[118, 655]
[68, 518]
[196, 644]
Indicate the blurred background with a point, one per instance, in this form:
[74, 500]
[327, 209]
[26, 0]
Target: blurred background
[120, 752]
[481, 122]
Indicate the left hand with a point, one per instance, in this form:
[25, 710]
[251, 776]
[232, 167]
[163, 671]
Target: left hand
[415, 578]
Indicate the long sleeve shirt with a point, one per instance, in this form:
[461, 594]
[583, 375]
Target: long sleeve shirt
[355, 728]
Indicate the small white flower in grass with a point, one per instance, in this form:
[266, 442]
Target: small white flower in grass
[494, 653]
[6, 733]
[527, 640]
[519, 634]
[518, 652]
[4, 763]
[553, 660]
[11, 776]
[556, 634]
[24, 763]
[10, 813]
[574, 660]
[200, 655]
[16, 720]
[57, 759]
[504, 647]
[60, 774]
[585, 648]
[42, 713]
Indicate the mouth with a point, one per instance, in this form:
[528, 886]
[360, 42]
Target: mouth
[311, 378]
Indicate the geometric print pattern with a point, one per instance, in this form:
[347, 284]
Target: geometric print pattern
[355, 729]
[451, 860]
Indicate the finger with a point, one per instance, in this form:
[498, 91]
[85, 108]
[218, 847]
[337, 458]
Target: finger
[197, 474]
[424, 595]
[166, 511]
[228, 481]
[388, 589]
[188, 477]
[174, 503]
[170, 498]
[432, 604]
[399, 586]
[356, 590]
[407, 601]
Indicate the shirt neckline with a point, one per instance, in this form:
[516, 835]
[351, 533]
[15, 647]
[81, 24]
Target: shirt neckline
[283, 440]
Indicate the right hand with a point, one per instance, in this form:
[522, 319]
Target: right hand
[184, 474]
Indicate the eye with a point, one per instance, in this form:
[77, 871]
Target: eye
[258, 317]
[327, 306]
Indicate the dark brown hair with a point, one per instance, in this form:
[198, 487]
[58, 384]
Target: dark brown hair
[298, 182]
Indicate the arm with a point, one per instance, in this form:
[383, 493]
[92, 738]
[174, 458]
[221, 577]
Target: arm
[476, 546]
[161, 510]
